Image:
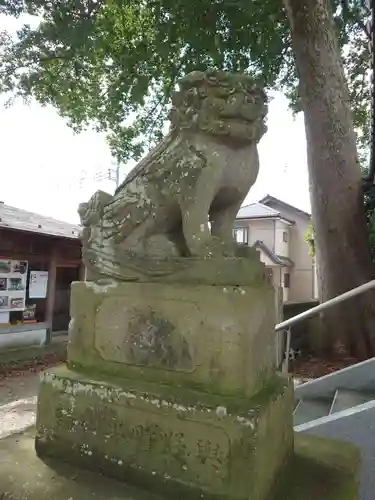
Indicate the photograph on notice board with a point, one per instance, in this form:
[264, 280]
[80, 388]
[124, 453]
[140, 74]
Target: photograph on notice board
[3, 284]
[4, 302]
[17, 303]
[15, 284]
[28, 314]
[19, 266]
[5, 266]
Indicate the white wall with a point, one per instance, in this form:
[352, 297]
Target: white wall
[262, 230]
[271, 233]
[281, 246]
[302, 274]
[278, 274]
[267, 261]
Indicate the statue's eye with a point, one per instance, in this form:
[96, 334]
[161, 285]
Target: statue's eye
[214, 82]
[250, 95]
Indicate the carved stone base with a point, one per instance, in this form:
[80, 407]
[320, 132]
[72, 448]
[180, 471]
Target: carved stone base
[245, 269]
[213, 338]
[172, 441]
[320, 469]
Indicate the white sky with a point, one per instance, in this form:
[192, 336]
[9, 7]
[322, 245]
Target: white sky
[48, 169]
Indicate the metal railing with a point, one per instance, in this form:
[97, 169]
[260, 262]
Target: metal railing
[287, 324]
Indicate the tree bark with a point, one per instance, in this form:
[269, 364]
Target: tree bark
[342, 245]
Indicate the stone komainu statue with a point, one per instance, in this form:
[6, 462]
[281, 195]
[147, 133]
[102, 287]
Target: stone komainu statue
[181, 200]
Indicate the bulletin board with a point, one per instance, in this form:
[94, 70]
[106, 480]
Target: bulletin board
[13, 282]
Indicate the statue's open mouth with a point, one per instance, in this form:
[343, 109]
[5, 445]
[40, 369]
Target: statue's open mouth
[241, 117]
[237, 119]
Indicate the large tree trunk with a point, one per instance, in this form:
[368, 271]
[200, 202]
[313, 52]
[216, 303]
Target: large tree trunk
[342, 245]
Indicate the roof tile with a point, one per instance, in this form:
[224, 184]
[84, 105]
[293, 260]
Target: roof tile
[15, 218]
[255, 210]
[277, 259]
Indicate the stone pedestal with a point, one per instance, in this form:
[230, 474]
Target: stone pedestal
[320, 469]
[172, 385]
[214, 338]
[169, 441]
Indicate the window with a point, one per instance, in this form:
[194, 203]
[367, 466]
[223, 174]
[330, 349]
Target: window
[285, 236]
[286, 280]
[241, 235]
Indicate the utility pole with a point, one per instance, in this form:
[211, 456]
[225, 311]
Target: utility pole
[112, 174]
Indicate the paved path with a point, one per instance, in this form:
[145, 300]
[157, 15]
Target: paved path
[18, 396]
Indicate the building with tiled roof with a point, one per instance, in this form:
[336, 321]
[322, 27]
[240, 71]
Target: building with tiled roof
[277, 230]
[22, 220]
[39, 258]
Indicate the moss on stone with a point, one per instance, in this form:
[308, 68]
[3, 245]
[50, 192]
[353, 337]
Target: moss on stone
[167, 438]
[209, 344]
[23, 476]
[202, 169]
[188, 395]
[321, 469]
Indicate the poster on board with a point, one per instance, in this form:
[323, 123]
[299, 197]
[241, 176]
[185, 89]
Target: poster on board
[38, 283]
[13, 275]
[29, 314]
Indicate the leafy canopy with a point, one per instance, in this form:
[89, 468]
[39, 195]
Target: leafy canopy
[112, 64]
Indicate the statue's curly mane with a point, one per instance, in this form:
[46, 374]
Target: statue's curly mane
[202, 170]
[202, 95]
[218, 86]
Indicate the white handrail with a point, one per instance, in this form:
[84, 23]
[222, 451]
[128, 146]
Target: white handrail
[286, 325]
[325, 305]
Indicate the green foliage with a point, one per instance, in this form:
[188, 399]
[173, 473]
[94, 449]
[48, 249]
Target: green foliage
[357, 62]
[309, 237]
[112, 64]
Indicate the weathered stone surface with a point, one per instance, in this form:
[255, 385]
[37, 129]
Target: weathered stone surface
[168, 439]
[24, 476]
[201, 172]
[246, 269]
[216, 338]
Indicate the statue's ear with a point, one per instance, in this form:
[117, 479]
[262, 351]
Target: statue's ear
[82, 209]
[195, 78]
[190, 97]
[173, 117]
[177, 99]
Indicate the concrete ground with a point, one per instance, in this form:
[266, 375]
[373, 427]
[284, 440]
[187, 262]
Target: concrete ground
[18, 396]
[19, 387]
